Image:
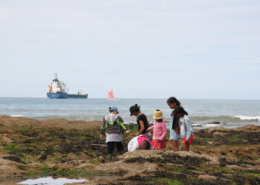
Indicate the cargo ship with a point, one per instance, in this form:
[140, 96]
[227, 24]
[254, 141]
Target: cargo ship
[58, 90]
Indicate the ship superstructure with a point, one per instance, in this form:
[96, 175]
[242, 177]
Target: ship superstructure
[58, 89]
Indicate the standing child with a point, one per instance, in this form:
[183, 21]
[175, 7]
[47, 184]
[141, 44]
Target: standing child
[113, 126]
[142, 122]
[160, 130]
[174, 124]
[185, 127]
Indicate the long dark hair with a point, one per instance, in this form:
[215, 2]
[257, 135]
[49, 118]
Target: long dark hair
[174, 100]
[179, 110]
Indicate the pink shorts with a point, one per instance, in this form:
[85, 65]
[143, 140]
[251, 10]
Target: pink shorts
[190, 140]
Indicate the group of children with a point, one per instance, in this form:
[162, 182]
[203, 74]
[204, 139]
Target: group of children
[113, 127]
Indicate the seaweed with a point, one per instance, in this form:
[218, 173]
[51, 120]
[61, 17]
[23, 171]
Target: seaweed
[203, 135]
[14, 158]
[174, 159]
[224, 162]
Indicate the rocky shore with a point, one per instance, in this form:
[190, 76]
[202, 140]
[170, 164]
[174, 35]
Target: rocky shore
[59, 147]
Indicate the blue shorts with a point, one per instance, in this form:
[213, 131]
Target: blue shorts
[174, 135]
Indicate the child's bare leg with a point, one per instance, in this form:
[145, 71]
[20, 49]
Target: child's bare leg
[186, 147]
[175, 145]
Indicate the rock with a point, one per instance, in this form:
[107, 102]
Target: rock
[211, 143]
[159, 153]
[36, 164]
[79, 156]
[84, 166]
[101, 158]
[14, 158]
[217, 133]
[130, 167]
[6, 140]
[235, 167]
[18, 121]
[10, 171]
[54, 167]
[207, 177]
[130, 175]
[70, 124]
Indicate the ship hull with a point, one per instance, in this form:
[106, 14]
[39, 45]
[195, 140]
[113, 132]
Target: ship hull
[66, 96]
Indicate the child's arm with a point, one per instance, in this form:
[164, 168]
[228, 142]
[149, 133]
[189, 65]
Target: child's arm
[164, 131]
[189, 128]
[122, 125]
[103, 128]
[150, 128]
[148, 123]
[142, 128]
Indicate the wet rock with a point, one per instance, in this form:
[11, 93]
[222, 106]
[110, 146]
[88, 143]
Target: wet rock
[203, 135]
[47, 152]
[69, 147]
[237, 163]
[197, 142]
[14, 158]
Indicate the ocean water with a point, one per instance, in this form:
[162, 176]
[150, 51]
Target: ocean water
[231, 113]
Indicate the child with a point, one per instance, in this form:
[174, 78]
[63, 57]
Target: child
[174, 124]
[113, 124]
[185, 127]
[160, 130]
[142, 122]
[139, 142]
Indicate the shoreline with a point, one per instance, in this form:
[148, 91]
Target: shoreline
[63, 147]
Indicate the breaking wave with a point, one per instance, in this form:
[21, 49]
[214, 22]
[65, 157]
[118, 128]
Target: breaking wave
[16, 115]
[255, 118]
[226, 119]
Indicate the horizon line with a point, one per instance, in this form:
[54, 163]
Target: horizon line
[147, 98]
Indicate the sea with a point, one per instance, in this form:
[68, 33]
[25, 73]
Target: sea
[226, 113]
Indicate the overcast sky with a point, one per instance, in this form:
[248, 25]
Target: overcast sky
[203, 49]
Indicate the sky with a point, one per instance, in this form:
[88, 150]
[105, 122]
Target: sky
[148, 49]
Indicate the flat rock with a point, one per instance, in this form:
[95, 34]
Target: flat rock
[235, 167]
[207, 177]
[6, 140]
[36, 164]
[84, 166]
[79, 156]
[158, 153]
[10, 171]
[18, 121]
[130, 167]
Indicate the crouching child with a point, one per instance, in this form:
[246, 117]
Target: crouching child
[113, 127]
[140, 142]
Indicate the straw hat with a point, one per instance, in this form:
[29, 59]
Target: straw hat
[158, 114]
